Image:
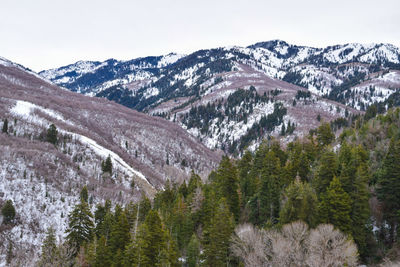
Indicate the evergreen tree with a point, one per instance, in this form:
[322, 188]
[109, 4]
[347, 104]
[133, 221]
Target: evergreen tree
[325, 135]
[388, 188]
[8, 211]
[154, 246]
[269, 195]
[103, 254]
[5, 126]
[247, 182]
[217, 235]
[193, 252]
[227, 185]
[119, 237]
[52, 133]
[106, 166]
[49, 253]
[360, 212]
[326, 171]
[300, 203]
[84, 194]
[80, 226]
[335, 207]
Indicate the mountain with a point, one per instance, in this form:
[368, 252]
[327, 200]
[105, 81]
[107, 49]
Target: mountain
[44, 180]
[301, 84]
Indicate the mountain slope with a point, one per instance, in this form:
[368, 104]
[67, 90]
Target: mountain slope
[44, 180]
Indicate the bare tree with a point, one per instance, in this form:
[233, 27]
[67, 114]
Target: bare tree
[329, 247]
[294, 246]
[251, 245]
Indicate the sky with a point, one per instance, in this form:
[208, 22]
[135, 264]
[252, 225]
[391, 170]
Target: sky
[45, 34]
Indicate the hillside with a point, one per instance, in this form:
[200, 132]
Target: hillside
[43, 179]
[354, 75]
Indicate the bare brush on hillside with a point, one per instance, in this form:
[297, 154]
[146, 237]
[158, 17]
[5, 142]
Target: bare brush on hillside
[294, 245]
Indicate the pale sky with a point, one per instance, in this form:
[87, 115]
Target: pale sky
[42, 34]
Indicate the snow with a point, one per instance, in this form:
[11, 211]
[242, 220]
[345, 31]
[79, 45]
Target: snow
[24, 109]
[169, 59]
[104, 152]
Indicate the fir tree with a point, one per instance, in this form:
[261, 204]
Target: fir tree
[106, 166]
[388, 189]
[80, 226]
[335, 207]
[8, 212]
[269, 195]
[217, 235]
[52, 133]
[84, 194]
[49, 253]
[5, 126]
[103, 254]
[227, 184]
[300, 203]
[193, 252]
[325, 135]
[326, 171]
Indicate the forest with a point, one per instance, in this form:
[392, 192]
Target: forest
[320, 201]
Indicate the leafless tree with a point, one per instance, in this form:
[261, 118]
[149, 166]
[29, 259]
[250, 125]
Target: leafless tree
[250, 244]
[329, 247]
[294, 245]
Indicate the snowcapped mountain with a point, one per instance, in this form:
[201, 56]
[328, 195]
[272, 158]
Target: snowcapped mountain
[341, 79]
[44, 180]
[91, 77]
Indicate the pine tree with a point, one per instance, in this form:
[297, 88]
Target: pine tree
[84, 194]
[5, 126]
[326, 171]
[335, 207]
[49, 253]
[227, 184]
[300, 203]
[106, 166]
[247, 182]
[360, 212]
[103, 254]
[8, 212]
[193, 252]
[52, 133]
[269, 195]
[154, 245]
[325, 135]
[80, 226]
[119, 236]
[388, 188]
[217, 235]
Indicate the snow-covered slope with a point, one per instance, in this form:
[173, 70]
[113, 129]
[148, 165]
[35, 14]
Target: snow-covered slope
[330, 72]
[44, 180]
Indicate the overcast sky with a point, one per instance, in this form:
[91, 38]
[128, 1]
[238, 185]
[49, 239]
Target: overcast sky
[44, 34]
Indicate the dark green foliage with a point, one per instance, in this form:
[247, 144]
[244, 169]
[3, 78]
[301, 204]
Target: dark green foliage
[8, 212]
[325, 135]
[80, 226]
[84, 194]
[303, 94]
[335, 207]
[48, 256]
[227, 185]
[300, 203]
[193, 252]
[388, 189]
[51, 135]
[326, 171]
[5, 126]
[217, 235]
[106, 166]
